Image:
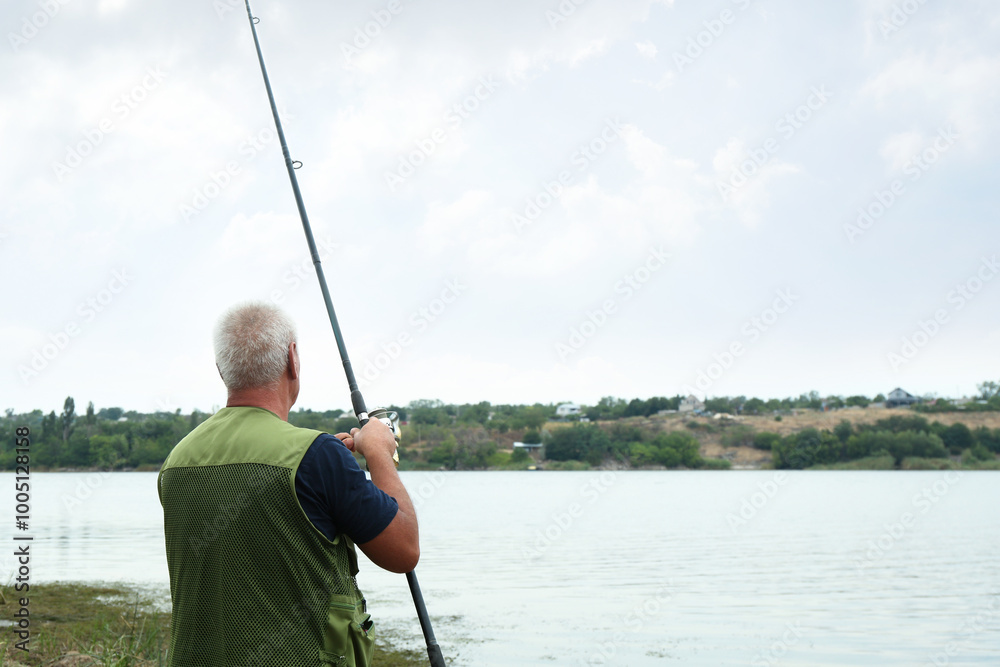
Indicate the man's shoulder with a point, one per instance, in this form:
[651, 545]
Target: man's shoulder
[327, 450]
[243, 434]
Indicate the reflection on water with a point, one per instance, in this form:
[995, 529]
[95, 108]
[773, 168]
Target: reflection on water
[636, 568]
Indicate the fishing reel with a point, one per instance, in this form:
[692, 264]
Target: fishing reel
[391, 419]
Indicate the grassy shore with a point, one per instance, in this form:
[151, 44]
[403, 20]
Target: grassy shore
[76, 625]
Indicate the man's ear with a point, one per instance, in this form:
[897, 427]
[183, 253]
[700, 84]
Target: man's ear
[293, 361]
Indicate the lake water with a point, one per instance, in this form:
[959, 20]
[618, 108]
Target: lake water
[632, 568]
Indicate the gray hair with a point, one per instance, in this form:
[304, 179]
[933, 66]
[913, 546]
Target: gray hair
[251, 345]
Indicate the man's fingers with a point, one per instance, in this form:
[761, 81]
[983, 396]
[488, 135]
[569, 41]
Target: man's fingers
[346, 439]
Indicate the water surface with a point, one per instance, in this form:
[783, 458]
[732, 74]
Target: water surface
[634, 568]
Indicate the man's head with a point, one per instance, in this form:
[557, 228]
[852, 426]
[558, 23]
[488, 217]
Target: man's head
[255, 349]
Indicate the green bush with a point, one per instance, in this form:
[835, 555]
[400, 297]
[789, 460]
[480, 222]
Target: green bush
[900, 423]
[844, 430]
[444, 453]
[988, 438]
[738, 436]
[677, 449]
[920, 445]
[868, 443]
[917, 463]
[580, 442]
[641, 454]
[901, 445]
[980, 453]
[766, 440]
[670, 450]
[707, 427]
[806, 449]
[957, 438]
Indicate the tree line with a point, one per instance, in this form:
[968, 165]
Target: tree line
[909, 440]
[469, 436]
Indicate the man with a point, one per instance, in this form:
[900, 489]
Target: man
[261, 517]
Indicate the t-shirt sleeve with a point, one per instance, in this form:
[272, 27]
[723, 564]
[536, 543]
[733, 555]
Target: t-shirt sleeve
[336, 495]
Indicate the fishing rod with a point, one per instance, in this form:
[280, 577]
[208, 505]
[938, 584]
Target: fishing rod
[357, 401]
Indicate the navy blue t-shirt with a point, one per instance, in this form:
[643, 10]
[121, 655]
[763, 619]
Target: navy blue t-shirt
[337, 496]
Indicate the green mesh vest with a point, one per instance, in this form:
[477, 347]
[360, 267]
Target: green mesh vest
[252, 581]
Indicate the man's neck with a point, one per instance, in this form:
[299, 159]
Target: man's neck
[268, 399]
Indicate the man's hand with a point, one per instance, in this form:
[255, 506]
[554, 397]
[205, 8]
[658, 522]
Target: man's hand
[374, 440]
[370, 439]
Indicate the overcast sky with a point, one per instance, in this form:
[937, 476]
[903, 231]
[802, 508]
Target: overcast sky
[514, 201]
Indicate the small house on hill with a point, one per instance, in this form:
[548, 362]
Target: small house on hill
[691, 404]
[567, 410]
[900, 398]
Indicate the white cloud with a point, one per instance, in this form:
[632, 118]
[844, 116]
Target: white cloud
[660, 84]
[594, 47]
[646, 49]
[748, 182]
[899, 148]
[947, 87]
[111, 6]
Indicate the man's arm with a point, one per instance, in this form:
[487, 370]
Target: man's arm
[397, 548]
